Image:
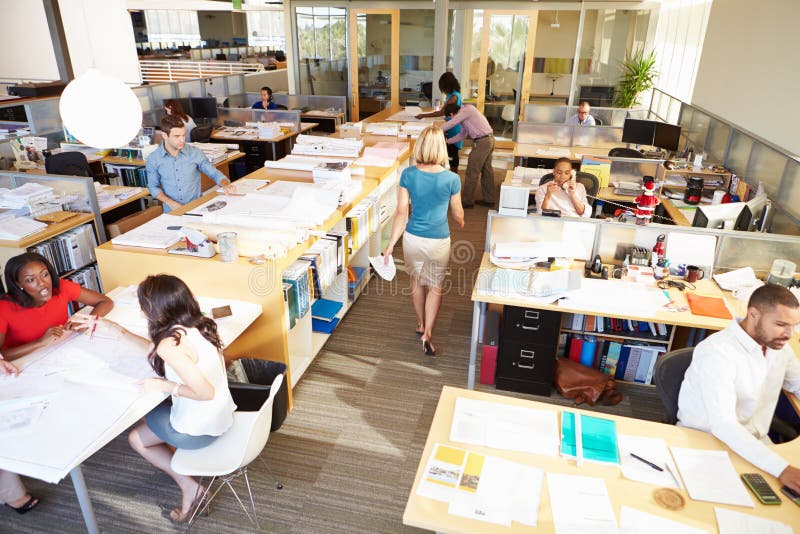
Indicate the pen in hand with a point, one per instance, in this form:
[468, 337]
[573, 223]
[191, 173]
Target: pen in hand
[651, 464]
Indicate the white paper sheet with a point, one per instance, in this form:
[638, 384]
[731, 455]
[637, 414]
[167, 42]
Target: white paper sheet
[513, 428]
[633, 521]
[247, 186]
[20, 417]
[385, 271]
[691, 249]
[653, 450]
[744, 277]
[710, 476]
[615, 297]
[733, 522]
[580, 505]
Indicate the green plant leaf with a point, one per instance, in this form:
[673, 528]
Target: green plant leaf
[638, 73]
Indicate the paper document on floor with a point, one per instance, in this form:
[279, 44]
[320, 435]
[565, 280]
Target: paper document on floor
[513, 428]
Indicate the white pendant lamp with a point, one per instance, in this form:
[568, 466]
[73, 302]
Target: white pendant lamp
[100, 111]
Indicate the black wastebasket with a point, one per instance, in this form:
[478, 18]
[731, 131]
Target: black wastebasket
[263, 372]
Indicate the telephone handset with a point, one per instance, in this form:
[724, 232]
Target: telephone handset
[572, 178]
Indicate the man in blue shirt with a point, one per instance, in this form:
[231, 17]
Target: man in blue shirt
[266, 100]
[173, 169]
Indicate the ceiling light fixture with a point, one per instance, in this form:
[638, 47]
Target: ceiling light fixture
[555, 24]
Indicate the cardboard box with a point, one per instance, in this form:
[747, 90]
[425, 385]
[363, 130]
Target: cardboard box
[130, 222]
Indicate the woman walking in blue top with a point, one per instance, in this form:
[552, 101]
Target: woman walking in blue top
[451, 89]
[431, 189]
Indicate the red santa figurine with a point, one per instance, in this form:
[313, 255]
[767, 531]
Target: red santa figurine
[646, 202]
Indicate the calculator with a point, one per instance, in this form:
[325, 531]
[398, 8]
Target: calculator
[760, 488]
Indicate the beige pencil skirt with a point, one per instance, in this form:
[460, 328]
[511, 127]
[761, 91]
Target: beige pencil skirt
[426, 259]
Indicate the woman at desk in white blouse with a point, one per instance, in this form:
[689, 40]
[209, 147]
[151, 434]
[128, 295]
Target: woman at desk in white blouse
[173, 107]
[563, 193]
[12, 491]
[186, 354]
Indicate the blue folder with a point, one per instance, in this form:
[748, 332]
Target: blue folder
[325, 310]
[598, 437]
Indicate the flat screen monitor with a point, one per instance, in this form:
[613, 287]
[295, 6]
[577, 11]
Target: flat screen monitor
[755, 215]
[638, 132]
[184, 103]
[719, 216]
[204, 108]
[667, 136]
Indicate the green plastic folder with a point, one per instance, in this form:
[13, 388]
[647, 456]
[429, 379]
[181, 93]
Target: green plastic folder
[599, 438]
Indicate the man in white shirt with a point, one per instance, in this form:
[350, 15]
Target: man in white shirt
[733, 383]
[582, 118]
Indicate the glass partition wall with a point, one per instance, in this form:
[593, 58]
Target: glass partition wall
[375, 51]
[322, 50]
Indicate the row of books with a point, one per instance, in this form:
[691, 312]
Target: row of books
[624, 360]
[296, 291]
[361, 221]
[129, 176]
[88, 278]
[611, 325]
[69, 251]
[327, 259]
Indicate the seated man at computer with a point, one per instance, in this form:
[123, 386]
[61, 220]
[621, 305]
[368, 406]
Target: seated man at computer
[266, 100]
[732, 386]
[173, 169]
[563, 193]
[582, 117]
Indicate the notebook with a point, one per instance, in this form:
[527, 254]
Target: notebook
[325, 310]
[708, 306]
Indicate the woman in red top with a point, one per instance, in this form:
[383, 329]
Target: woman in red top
[34, 313]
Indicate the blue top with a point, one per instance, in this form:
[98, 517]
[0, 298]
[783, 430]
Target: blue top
[179, 177]
[260, 105]
[430, 197]
[455, 129]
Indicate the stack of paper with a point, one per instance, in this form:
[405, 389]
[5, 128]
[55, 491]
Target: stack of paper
[152, 234]
[383, 128]
[15, 228]
[268, 130]
[215, 152]
[26, 195]
[327, 146]
[413, 129]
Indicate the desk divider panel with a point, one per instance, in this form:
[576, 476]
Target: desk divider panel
[244, 115]
[632, 169]
[610, 239]
[312, 102]
[596, 136]
[542, 114]
[544, 134]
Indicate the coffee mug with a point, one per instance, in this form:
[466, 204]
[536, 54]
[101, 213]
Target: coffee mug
[694, 273]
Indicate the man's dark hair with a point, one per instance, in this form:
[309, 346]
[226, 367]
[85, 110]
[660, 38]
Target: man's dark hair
[563, 160]
[168, 122]
[451, 109]
[767, 297]
[582, 102]
[267, 89]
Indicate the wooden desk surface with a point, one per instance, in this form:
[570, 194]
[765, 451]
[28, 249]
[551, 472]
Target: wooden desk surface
[114, 160]
[432, 515]
[52, 230]
[283, 137]
[686, 318]
[526, 150]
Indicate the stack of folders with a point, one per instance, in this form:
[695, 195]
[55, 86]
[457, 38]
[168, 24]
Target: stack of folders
[323, 315]
[127, 175]
[88, 278]
[598, 438]
[69, 251]
[624, 360]
[299, 296]
[355, 277]
[359, 223]
[610, 325]
[323, 257]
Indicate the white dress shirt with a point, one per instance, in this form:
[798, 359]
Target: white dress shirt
[575, 121]
[731, 389]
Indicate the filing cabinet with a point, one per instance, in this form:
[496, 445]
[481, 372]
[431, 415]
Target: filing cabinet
[528, 347]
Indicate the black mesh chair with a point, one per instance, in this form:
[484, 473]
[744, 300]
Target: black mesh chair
[598, 122]
[426, 88]
[73, 164]
[622, 152]
[589, 182]
[281, 107]
[201, 134]
[668, 377]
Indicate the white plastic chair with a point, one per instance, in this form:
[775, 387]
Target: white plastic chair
[507, 115]
[227, 457]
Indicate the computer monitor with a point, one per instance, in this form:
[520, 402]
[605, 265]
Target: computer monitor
[186, 106]
[667, 136]
[718, 216]
[755, 215]
[204, 108]
[638, 132]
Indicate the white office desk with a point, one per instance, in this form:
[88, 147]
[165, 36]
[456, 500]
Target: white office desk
[81, 418]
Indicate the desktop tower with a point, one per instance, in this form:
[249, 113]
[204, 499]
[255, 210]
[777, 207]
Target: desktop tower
[528, 347]
[491, 338]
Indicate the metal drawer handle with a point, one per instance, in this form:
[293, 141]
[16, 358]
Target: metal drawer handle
[525, 366]
[534, 328]
[527, 354]
[531, 314]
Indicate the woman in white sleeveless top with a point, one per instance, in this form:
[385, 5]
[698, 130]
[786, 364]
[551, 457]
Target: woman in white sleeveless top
[186, 353]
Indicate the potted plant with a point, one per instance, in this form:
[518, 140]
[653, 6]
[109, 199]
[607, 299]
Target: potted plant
[638, 75]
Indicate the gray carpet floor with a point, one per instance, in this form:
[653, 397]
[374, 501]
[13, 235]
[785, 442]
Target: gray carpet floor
[347, 453]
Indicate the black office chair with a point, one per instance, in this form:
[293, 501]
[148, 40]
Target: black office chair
[73, 164]
[589, 182]
[201, 134]
[598, 122]
[668, 377]
[622, 152]
[426, 88]
[281, 107]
